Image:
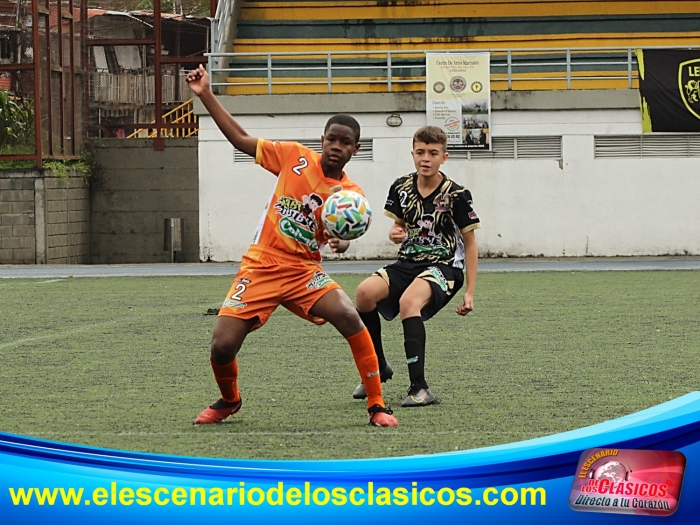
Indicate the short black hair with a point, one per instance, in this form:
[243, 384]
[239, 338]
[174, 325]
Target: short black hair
[316, 198]
[344, 120]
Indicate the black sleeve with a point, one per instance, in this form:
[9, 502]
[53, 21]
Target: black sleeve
[463, 210]
[392, 206]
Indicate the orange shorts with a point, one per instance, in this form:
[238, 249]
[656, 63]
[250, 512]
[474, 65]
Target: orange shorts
[268, 278]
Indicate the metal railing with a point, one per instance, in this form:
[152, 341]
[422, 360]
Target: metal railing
[183, 115]
[223, 26]
[405, 70]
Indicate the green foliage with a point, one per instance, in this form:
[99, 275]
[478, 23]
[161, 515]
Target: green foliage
[6, 149]
[16, 122]
[89, 160]
[16, 164]
[87, 166]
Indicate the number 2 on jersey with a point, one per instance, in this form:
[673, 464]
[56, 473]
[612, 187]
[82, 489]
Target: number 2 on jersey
[240, 287]
[303, 164]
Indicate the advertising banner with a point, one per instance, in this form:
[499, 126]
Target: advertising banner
[459, 97]
[669, 88]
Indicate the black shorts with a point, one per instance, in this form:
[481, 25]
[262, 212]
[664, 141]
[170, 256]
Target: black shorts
[444, 280]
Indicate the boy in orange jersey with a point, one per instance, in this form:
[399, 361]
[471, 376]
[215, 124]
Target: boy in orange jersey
[282, 266]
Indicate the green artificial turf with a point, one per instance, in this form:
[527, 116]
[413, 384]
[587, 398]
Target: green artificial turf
[123, 363]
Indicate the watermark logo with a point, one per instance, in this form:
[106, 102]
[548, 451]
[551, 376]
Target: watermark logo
[620, 481]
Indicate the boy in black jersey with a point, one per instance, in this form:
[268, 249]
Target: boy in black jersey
[434, 225]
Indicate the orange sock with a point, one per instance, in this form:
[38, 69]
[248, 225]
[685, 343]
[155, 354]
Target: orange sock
[368, 365]
[227, 378]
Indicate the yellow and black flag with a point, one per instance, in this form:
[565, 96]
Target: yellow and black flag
[669, 87]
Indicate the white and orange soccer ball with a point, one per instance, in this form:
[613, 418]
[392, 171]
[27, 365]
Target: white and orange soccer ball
[346, 215]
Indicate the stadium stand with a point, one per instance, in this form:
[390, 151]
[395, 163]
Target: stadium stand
[545, 44]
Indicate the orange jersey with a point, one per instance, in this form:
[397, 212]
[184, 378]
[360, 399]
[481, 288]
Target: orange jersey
[291, 222]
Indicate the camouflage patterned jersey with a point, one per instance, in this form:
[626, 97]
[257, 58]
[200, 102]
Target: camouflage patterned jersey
[434, 222]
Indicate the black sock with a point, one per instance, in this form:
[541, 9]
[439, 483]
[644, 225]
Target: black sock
[374, 326]
[414, 344]
[223, 404]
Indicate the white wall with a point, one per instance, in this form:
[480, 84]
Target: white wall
[579, 206]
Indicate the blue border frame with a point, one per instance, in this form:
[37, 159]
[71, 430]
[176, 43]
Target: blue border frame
[549, 462]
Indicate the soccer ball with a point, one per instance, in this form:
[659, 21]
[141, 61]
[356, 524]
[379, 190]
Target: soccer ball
[346, 215]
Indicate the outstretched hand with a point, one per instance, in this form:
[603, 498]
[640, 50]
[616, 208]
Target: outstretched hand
[466, 306]
[198, 80]
[336, 245]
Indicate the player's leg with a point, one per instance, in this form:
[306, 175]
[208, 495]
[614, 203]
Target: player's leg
[411, 304]
[369, 293]
[428, 293]
[336, 307]
[229, 334]
[249, 303]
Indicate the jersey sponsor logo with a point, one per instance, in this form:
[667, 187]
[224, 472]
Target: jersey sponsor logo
[426, 223]
[423, 240]
[319, 280]
[439, 252]
[234, 304]
[298, 220]
[438, 277]
[301, 212]
[443, 202]
[299, 234]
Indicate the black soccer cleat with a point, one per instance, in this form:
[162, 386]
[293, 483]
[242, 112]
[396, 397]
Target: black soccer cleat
[384, 376]
[418, 397]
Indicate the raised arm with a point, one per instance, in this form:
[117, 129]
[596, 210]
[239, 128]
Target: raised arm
[471, 260]
[198, 81]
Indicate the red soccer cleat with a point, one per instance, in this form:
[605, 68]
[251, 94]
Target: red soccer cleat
[217, 412]
[380, 416]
